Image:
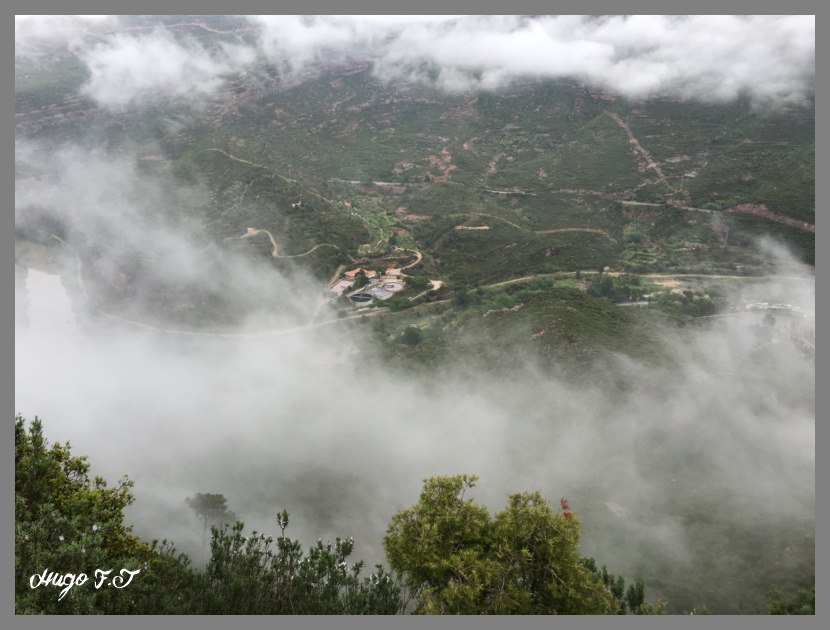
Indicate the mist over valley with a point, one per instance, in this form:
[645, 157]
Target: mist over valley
[597, 287]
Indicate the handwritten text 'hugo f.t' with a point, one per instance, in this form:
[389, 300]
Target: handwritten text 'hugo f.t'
[69, 580]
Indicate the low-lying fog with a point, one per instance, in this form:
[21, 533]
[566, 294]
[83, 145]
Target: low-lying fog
[271, 422]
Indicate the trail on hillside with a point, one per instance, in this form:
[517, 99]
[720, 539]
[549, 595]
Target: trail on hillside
[436, 284]
[754, 209]
[610, 196]
[366, 223]
[254, 231]
[418, 257]
[617, 197]
[312, 250]
[650, 162]
[197, 333]
[540, 232]
[651, 276]
[275, 252]
[762, 211]
[523, 193]
[270, 169]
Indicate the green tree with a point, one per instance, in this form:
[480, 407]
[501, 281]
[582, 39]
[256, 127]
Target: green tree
[412, 336]
[418, 282]
[803, 603]
[457, 559]
[602, 285]
[259, 575]
[360, 280]
[212, 509]
[399, 303]
[461, 298]
[68, 523]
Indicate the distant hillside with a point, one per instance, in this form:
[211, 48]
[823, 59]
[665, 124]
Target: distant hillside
[545, 177]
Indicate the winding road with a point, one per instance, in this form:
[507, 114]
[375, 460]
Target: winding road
[275, 252]
[198, 333]
[526, 229]
[288, 180]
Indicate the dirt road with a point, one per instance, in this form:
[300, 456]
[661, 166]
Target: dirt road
[275, 253]
[270, 169]
[436, 284]
[542, 232]
[645, 155]
[418, 257]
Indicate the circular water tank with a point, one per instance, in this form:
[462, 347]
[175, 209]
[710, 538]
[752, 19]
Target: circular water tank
[361, 298]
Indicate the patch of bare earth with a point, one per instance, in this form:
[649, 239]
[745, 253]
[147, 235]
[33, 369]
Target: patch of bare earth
[763, 211]
[675, 285]
[348, 130]
[442, 163]
[491, 167]
[401, 213]
[466, 111]
[504, 309]
[400, 167]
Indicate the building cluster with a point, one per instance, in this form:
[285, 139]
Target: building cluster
[380, 285]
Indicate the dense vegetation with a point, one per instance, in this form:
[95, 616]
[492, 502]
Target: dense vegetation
[458, 559]
[448, 555]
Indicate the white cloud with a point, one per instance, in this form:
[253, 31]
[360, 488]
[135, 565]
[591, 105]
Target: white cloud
[705, 57]
[771, 58]
[292, 41]
[126, 68]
